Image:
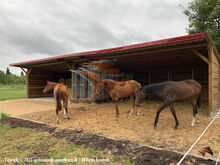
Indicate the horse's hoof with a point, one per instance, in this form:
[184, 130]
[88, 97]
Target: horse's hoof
[198, 121]
[130, 113]
[175, 128]
[68, 118]
[155, 126]
[138, 113]
[192, 125]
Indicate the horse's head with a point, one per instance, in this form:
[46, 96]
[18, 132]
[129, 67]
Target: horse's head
[140, 95]
[100, 87]
[48, 87]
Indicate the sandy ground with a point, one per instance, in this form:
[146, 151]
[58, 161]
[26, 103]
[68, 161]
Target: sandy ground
[99, 119]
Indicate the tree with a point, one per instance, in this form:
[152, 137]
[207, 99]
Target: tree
[8, 71]
[204, 16]
[22, 74]
[2, 77]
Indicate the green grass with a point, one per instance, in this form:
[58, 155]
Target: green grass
[12, 92]
[24, 143]
[151, 143]
[3, 115]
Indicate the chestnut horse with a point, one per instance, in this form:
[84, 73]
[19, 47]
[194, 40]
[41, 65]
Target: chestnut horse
[118, 90]
[60, 92]
[170, 92]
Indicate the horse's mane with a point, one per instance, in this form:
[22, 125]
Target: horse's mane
[110, 83]
[121, 83]
[154, 88]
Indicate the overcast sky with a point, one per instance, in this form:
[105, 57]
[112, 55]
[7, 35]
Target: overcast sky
[33, 29]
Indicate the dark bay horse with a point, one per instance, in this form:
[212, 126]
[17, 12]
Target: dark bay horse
[60, 93]
[118, 90]
[170, 92]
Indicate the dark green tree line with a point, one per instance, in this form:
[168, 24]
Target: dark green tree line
[7, 78]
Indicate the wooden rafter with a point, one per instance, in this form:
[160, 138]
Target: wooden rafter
[71, 66]
[200, 55]
[24, 70]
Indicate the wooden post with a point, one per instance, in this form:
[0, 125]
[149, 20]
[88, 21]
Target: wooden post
[210, 51]
[28, 77]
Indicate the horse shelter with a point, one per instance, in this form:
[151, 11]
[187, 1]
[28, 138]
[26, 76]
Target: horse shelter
[186, 57]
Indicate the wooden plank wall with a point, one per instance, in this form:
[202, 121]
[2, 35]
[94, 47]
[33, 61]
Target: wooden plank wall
[214, 80]
[36, 81]
[156, 75]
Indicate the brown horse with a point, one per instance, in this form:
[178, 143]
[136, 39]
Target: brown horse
[60, 92]
[119, 90]
[170, 92]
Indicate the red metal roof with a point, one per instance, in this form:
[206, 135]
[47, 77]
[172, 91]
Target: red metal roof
[122, 48]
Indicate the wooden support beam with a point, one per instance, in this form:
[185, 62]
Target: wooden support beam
[210, 85]
[29, 71]
[24, 70]
[28, 77]
[200, 55]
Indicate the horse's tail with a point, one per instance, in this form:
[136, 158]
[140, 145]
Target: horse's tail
[58, 99]
[199, 100]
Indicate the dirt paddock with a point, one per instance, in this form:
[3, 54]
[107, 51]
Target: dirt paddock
[99, 119]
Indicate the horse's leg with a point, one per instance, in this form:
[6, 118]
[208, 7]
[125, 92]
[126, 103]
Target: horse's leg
[158, 113]
[174, 115]
[132, 108]
[194, 112]
[116, 109]
[57, 112]
[66, 108]
[133, 104]
[197, 115]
